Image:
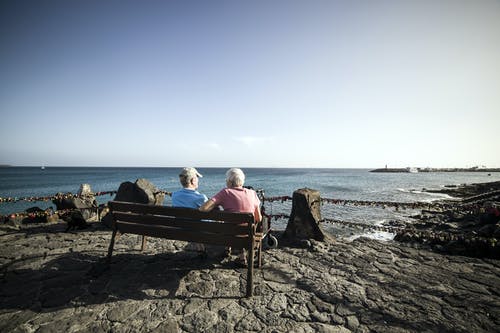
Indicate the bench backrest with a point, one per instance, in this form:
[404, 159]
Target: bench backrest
[216, 227]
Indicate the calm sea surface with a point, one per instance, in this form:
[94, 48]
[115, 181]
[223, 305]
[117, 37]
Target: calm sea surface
[355, 184]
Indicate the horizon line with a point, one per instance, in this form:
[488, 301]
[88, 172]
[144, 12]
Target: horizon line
[243, 167]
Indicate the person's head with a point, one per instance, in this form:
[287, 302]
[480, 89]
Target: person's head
[189, 178]
[235, 177]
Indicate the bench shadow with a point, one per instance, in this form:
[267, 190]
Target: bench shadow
[50, 228]
[40, 283]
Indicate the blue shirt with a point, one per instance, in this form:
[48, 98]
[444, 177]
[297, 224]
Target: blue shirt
[188, 198]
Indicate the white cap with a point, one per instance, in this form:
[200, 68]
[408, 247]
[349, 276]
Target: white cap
[190, 173]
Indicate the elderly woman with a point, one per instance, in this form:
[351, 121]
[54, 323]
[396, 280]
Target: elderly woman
[235, 198]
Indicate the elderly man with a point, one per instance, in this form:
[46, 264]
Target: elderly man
[188, 196]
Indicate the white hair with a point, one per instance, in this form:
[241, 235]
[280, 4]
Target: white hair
[235, 177]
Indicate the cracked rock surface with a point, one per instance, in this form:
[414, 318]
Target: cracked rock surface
[52, 281]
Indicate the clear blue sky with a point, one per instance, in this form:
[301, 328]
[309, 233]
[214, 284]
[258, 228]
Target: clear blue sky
[250, 83]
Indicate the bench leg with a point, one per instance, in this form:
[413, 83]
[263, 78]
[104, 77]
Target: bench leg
[144, 241]
[250, 260]
[259, 254]
[111, 245]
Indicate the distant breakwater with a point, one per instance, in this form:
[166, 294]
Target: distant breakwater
[416, 170]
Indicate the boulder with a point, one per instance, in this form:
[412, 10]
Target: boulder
[75, 220]
[35, 215]
[85, 202]
[306, 214]
[142, 191]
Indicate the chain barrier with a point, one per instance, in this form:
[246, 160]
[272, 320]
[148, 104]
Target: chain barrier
[277, 216]
[357, 225]
[60, 196]
[383, 204]
[408, 232]
[46, 213]
[363, 226]
[281, 199]
[57, 196]
[471, 206]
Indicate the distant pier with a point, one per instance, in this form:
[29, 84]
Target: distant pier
[415, 170]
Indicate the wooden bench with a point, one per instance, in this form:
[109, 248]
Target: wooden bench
[237, 230]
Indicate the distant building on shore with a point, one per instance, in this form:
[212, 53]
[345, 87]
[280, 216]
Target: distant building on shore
[416, 170]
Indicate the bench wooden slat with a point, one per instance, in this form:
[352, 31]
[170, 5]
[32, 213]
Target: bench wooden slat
[183, 223]
[182, 234]
[181, 212]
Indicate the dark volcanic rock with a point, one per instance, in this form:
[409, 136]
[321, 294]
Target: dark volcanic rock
[468, 227]
[75, 220]
[85, 203]
[35, 215]
[305, 216]
[142, 191]
[53, 281]
[467, 190]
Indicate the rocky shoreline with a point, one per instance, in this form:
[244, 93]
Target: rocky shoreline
[465, 191]
[470, 226]
[56, 281]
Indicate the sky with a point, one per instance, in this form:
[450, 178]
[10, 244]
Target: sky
[330, 84]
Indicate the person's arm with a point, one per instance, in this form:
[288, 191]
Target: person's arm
[257, 215]
[207, 206]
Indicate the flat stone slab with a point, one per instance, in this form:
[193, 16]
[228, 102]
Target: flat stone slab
[52, 281]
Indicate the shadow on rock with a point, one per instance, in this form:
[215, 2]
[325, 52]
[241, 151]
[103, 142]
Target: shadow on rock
[31, 229]
[40, 283]
[380, 289]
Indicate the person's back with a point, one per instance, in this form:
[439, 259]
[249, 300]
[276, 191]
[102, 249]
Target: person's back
[237, 200]
[188, 196]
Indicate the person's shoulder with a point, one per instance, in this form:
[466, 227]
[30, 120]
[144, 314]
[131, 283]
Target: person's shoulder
[222, 193]
[179, 191]
[199, 194]
[250, 190]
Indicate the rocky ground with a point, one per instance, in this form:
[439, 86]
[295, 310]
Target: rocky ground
[469, 226]
[467, 190]
[55, 281]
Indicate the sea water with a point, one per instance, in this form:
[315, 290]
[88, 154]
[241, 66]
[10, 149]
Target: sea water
[352, 184]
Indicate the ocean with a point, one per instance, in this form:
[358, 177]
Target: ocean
[351, 184]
